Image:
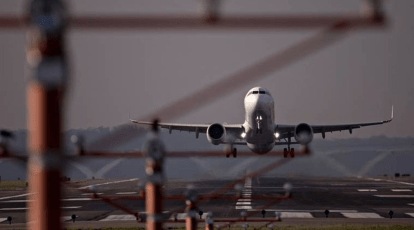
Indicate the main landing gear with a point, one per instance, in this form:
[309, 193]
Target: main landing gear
[288, 152]
[231, 151]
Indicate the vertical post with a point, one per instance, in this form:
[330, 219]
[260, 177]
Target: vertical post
[46, 57]
[191, 209]
[209, 222]
[155, 153]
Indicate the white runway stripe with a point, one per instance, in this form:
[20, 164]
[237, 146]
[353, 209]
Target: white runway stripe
[392, 181]
[10, 197]
[248, 207]
[410, 214]
[66, 218]
[12, 209]
[296, 215]
[71, 207]
[395, 196]
[401, 190]
[309, 210]
[15, 201]
[183, 215]
[25, 208]
[367, 190]
[91, 194]
[119, 217]
[68, 199]
[106, 183]
[126, 193]
[361, 215]
[243, 203]
[78, 199]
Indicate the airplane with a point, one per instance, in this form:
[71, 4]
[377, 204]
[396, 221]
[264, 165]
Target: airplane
[259, 131]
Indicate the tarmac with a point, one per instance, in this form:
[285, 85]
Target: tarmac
[261, 201]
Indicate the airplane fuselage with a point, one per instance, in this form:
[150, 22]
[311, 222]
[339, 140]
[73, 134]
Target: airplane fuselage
[259, 120]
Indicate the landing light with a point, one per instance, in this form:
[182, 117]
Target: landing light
[277, 135]
[243, 135]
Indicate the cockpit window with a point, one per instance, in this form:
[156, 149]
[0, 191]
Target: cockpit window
[257, 92]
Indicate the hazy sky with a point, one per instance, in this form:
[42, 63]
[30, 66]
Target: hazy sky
[120, 74]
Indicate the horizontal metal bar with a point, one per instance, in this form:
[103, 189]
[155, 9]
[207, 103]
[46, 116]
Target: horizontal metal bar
[197, 22]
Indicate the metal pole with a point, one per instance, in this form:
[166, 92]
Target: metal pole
[191, 209]
[155, 153]
[45, 54]
[209, 222]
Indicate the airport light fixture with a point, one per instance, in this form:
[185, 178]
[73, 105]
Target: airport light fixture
[288, 188]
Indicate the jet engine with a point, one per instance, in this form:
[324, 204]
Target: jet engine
[303, 133]
[216, 133]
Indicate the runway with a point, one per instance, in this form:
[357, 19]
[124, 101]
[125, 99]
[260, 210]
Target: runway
[349, 200]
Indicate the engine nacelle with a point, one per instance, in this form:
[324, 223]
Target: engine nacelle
[216, 133]
[303, 133]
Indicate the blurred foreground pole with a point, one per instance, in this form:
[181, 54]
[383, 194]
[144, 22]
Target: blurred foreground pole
[155, 153]
[191, 209]
[209, 222]
[46, 57]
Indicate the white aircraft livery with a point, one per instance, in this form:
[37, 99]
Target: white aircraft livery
[259, 131]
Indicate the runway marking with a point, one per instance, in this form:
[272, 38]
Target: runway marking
[78, 199]
[410, 214]
[106, 183]
[15, 201]
[392, 181]
[245, 201]
[183, 216]
[12, 209]
[400, 182]
[10, 197]
[119, 217]
[71, 207]
[126, 193]
[367, 190]
[401, 190]
[395, 196]
[248, 207]
[25, 208]
[68, 199]
[66, 218]
[301, 210]
[296, 215]
[361, 215]
[91, 194]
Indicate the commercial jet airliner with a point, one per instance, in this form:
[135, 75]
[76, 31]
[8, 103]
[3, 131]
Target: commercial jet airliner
[259, 131]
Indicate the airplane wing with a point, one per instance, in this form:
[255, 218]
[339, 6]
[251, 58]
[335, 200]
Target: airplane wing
[234, 130]
[286, 131]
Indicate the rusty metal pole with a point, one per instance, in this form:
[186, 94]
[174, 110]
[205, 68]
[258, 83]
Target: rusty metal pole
[155, 153]
[209, 222]
[191, 209]
[46, 57]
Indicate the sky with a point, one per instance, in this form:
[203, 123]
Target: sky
[122, 74]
